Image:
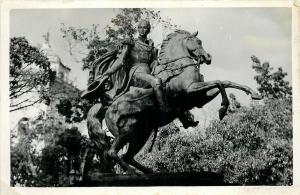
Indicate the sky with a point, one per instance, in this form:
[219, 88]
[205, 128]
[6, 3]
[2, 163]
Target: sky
[230, 35]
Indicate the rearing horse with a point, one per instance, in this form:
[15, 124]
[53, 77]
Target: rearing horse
[133, 116]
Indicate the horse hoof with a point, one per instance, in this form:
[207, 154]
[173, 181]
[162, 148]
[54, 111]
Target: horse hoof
[222, 112]
[256, 96]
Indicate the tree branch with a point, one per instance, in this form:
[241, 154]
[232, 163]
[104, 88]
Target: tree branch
[17, 94]
[17, 104]
[24, 106]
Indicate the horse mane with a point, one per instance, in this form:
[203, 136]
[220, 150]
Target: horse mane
[162, 54]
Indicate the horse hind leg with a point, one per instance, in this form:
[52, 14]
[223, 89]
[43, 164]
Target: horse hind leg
[209, 96]
[117, 144]
[134, 147]
[130, 160]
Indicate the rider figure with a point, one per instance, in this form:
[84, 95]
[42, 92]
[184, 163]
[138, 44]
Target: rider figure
[141, 55]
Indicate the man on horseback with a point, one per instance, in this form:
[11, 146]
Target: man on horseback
[139, 56]
[132, 115]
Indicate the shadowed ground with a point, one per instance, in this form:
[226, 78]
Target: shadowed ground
[166, 179]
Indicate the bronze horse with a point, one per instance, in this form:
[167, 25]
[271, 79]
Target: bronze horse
[133, 116]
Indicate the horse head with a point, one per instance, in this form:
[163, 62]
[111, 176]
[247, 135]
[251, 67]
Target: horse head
[196, 50]
[180, 44]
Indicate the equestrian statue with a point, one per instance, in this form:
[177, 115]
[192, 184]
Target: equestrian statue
[140, 91]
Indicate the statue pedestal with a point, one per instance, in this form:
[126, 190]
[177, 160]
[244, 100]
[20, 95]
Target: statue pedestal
[155, 179]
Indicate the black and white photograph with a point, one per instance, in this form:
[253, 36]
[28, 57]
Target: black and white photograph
[136, 97]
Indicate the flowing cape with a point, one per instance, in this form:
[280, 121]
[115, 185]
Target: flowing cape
[118, 81]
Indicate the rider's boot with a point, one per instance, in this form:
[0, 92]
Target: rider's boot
[160, 95]
[187, 119]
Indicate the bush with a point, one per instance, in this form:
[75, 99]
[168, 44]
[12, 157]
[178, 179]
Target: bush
[250, 147]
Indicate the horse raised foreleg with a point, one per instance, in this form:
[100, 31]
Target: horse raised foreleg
[210, 95]
[246, 89]
[206, 86]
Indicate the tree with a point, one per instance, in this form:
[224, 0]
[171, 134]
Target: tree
[74, 108]
[21, 169]
[271, 84]
[29, 72]
[26, 154]
[24, 157]
[54, 166]
[71, 140]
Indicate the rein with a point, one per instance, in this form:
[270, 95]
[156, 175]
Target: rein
[166, 67]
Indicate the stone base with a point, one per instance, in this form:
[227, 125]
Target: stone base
[161, 179]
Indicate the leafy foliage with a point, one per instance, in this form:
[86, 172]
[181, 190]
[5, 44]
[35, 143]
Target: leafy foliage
[46, 152]
[234, 105]
[74, 108]
[23, 160]
[29, 72]
[252, 147]
[70, 139]
[54, 166]
[271, 84]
